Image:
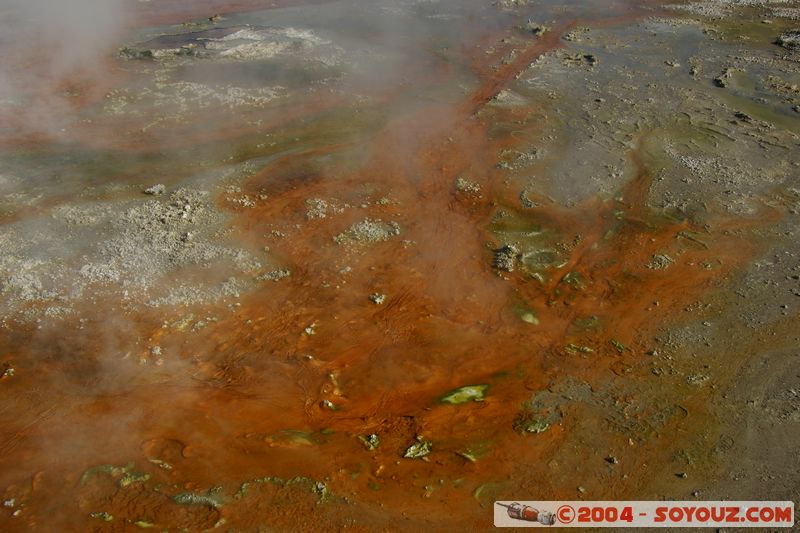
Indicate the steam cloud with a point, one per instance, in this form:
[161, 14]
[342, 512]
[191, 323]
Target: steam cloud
[48, 49]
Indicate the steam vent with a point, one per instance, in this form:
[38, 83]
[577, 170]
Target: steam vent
[376, 265]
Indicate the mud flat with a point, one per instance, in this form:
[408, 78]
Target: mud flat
[376, 265]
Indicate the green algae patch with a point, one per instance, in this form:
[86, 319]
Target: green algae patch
[243, 490]
[575, 349]
[530, 423]
[469, 393]
[526, 315]
[486, 492]
[296, 437]
[104, 516]
[111, 470]
[474, 452]
[125, 475]
[161, 464]
[573, 278]
[618, 346]
[131, 477]
[319, 488]
[586, 323]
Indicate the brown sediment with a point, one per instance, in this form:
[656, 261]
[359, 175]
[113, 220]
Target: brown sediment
[257, 395]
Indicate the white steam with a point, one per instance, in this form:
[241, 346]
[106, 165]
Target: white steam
[52, 52]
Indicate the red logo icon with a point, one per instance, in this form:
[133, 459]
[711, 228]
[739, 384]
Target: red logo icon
[565, 514]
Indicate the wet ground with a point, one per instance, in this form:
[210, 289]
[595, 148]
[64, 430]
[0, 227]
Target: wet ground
[310, 266]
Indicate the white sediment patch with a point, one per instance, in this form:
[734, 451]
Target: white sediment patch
[172, 249]
[368, 231]
[716, 8]
[177, 98]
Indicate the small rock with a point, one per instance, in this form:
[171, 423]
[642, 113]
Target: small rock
[535, 28]
[508, 4]
[465, 185]
[275, 275]
[371, 441]
[328, 405]
[505, 257]
[317, 208]
[368, 231]
[660, 262]
[156, 190]
[377, 298]
[320, 488]
[723, 79]
[506, 97]
[789, 40]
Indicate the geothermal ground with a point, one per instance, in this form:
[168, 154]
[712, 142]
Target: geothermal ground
[316, 266]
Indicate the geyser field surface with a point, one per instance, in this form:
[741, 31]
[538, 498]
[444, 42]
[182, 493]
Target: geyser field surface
[307, 266]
